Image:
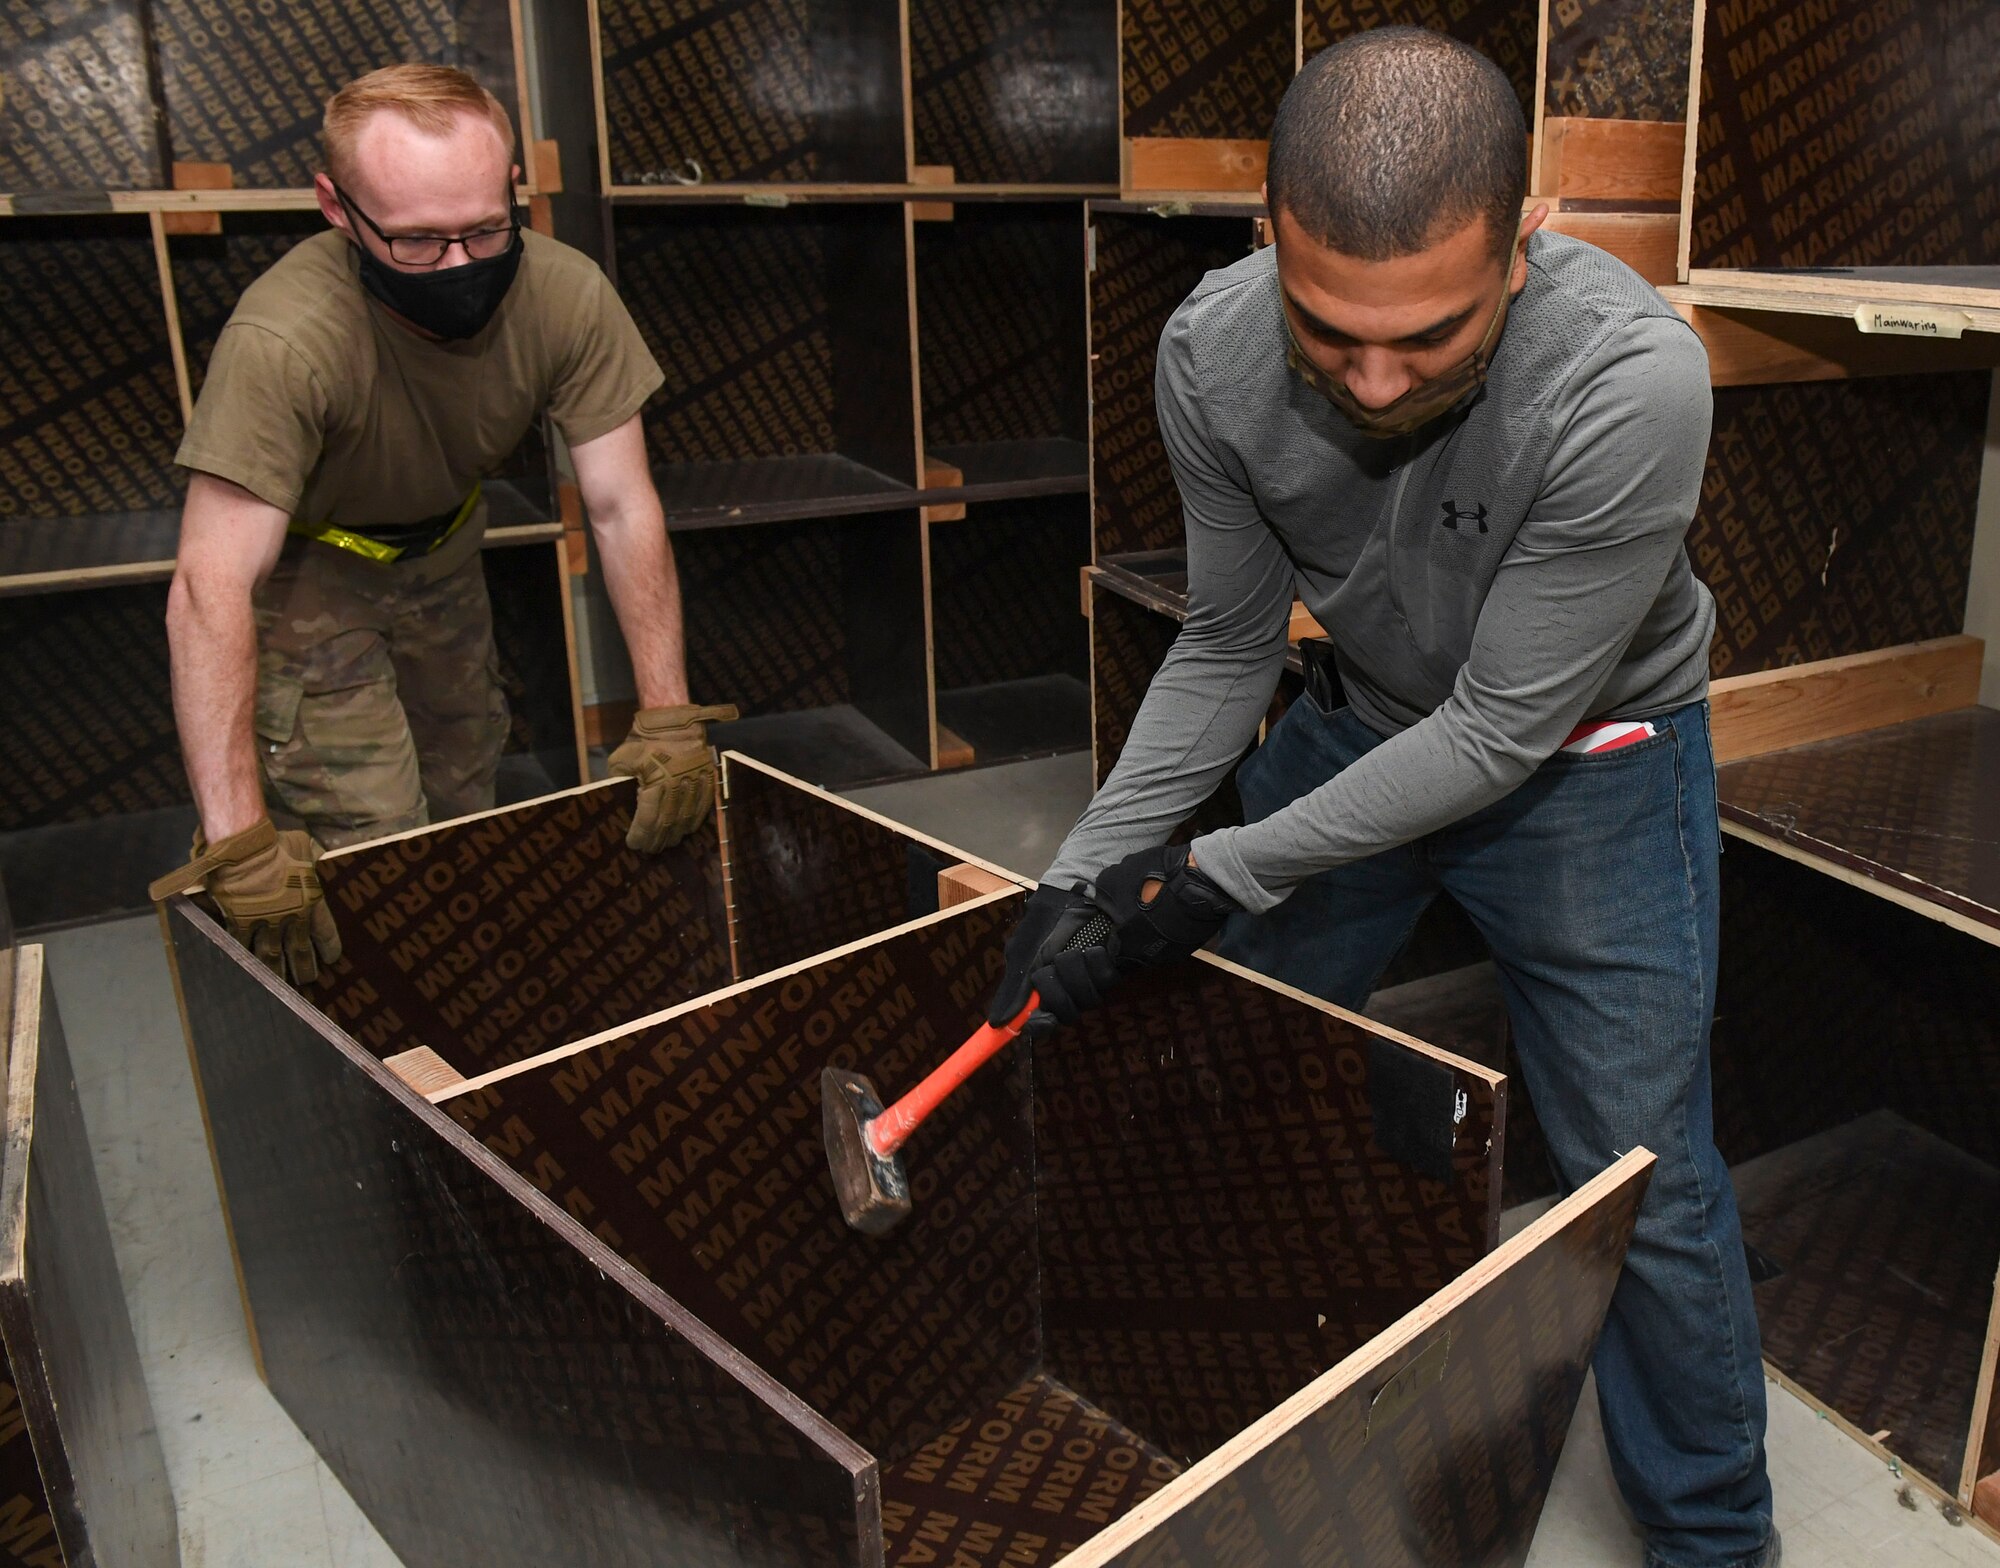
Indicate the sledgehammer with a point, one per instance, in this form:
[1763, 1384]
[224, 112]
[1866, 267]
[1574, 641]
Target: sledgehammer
[863, 1140]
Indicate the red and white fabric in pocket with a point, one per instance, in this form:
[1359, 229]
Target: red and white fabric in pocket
[1607, 735]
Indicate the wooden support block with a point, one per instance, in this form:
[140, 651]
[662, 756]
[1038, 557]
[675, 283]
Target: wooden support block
[198, 177]
[933, 174]
[545, 166]
[940, 475]
[1612, 160]
[1772, 710]
[1647, 242]
[1759, 347]
[1986, 1500]
[424, 1070]
[961, 884]
[541, 215]
[1189, 163]
[954, 750]
[576, 541]
[607, 723]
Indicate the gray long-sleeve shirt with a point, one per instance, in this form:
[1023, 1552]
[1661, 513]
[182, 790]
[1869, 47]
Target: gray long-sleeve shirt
[1488, 583]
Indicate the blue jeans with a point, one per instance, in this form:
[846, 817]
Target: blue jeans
[1595, 885]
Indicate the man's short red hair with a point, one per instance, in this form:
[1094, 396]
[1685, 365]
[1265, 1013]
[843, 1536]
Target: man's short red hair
[430, 97]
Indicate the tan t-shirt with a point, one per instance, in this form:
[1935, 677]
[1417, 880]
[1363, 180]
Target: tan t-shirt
[319, 402]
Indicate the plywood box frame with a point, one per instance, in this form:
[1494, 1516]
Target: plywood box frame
[81, 1453]
[328, 1160]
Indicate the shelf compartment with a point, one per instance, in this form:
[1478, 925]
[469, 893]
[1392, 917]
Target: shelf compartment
[785, 339]
[1012, 655]
[806, 618]
[1912, 806]
[1837, 517]
[1016, 92]
[1145, 267]
[1884, 1239]
[750, 91]
[86, 372]
[1771, 188]
[248, 88]
[1000, 330]
[1856, 1058]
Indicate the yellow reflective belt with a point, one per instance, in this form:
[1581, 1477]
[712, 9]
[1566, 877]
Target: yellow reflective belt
[374, 549]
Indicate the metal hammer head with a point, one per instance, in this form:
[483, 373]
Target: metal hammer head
[874, 1197]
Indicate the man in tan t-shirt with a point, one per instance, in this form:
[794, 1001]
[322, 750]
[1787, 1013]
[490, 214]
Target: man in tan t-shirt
[328, 617]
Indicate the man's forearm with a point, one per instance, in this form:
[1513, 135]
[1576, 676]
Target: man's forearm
[212, 637]
[645, 591]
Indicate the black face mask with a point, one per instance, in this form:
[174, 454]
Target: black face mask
[452, 302]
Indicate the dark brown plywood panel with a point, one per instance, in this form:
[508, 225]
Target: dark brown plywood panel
[587, 1418]
[1436, 1445]
[807, 874]
[1003, 584]
[1619, 59]
[1145, 268]
[1000, 301]
[24, 1503]
[1022, 1482]
[766, 620]
[1502, 30]
[87, 708]
[505, 936]
[248, 85]
[1886, 1238]
[74, 1363]
[1850, 133]
[1213, 1194]
[693, 1146]
[1016, 91]
[734, 307]
[86, 374]
[1128, 644]
[1212, 68]
[78, 112]
[1915, 805]
[752, 90]
[777, 332]
[524, 585]
[1832, 1003]
[1836, 517]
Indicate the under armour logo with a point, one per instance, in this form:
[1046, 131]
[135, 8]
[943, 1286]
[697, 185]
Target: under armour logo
[1454, 515]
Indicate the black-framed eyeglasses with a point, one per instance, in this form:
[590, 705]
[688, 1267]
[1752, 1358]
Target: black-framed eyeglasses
[427, 250]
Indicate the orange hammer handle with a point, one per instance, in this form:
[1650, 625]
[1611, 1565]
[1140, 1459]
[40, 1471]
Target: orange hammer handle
[891, 1130]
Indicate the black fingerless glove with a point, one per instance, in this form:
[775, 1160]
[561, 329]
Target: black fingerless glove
[1059, 950]
[1185, 911]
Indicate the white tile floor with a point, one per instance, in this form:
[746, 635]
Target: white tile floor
[252, 1493]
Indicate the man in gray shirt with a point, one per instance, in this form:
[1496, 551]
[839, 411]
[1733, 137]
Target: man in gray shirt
[1473, 449]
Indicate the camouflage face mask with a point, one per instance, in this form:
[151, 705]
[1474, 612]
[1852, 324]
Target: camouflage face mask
[1424, 401]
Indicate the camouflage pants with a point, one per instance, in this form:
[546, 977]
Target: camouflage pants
[379, 705]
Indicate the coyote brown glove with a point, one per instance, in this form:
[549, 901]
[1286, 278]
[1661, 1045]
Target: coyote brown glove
[266, 885]
[668, 753]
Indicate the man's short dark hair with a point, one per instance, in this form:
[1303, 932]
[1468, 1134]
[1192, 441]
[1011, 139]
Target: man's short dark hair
[1396, 138]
